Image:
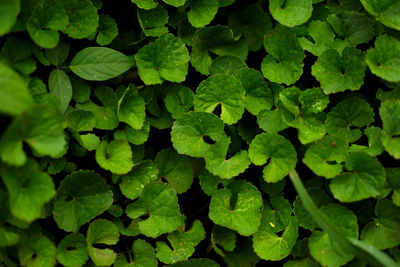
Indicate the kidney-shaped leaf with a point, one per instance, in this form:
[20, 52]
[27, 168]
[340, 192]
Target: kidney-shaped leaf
[364, 179]
[81, 196]
[158, 205]
[238, 207]
[224, 90]
[279, 153]
[190, 133]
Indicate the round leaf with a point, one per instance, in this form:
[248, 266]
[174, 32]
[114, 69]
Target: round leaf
[279, 153]
[81, 196]
[231, 207]
[115, 156]
[190, 130]
[364, 179]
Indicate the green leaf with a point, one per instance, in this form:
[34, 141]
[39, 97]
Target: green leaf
[284, 62]
[41, 128]
[324, 157]
[389, 112]
[16, 52]
[108, 30]
[223, 237]
[153, 21]
[142, 174]
[290, 12]
[381, 233]
[277, 214]
[60, 86]
[9, 12]
[383, 60]
[227, 65]
[160, 203]
[365, 178]
[351, 245]
[243, 255]
[37, 251]
[375, 146]
[196, 263]
[319, 37]
[176, 169]
[218, 164]
[252, 22]
[80, 197]
[135, 137]
[320, 199]
[325, 250]
[83, 18]
[145, 4]
[80, 89]
[337, 73]
[102, 232]
[81, 120]
[88, 141]
[106, 115]
[223, 90]
[183, 244]
[269, 246]
[131, 109]
[258, 93]
[386, 12]
[279, 153]
[14, 94]
[219, 40]
[165, 59]
[230, 207]
[352, 28]
[178, 100]
[100, 63]
[209, 182]
[47, 18]
[271, 120]
[115, 156]
[202, 12]
[345, 119]
[71, 251]
[189, 131]
[143, 256]
[29, 189]
[58, 54]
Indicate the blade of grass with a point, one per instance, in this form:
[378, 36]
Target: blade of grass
[360, 249]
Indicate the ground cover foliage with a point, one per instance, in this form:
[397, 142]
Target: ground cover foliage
[163, 133]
